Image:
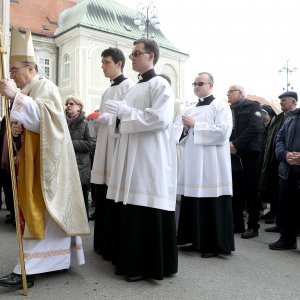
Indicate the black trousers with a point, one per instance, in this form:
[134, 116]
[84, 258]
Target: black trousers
[238, 200]
[85, 191]
[289, 193]
[6, 184]
[245, 191]
[275, 205]
[107, 219]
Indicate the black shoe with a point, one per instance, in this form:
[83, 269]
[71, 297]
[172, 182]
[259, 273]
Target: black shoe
[92, 217]
[281, 244]
[249, 233]
[15, 280]
[118, 272]
[188, 248]
[238, 229]
[273, 229]
[268, 215]
[209, 254]
[270, 221]
[10, 220]
[134, 278]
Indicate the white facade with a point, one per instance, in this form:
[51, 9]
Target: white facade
[46, 56]
[85, 79]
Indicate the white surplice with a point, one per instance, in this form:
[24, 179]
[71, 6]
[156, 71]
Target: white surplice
[205, 169]
[144, 163]
[106, 136]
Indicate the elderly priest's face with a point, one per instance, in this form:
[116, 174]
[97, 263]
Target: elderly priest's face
[21, 73]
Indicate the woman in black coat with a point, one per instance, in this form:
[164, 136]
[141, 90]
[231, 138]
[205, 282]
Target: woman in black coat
[83, 143]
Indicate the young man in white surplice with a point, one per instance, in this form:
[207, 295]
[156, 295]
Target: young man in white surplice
[143, 174]
[204, 178]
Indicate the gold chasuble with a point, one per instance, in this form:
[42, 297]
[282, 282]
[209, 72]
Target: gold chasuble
[48, 177]
[29, 186]
[48, 174]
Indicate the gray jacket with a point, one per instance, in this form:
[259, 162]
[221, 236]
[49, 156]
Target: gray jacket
[83, 144]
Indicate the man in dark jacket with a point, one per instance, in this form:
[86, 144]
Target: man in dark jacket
[269, 175]
[287, 151]
[245, 148]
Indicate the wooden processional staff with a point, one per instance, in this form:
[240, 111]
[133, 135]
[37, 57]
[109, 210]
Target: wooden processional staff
[12, 166]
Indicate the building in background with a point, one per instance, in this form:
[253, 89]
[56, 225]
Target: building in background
[70, 35]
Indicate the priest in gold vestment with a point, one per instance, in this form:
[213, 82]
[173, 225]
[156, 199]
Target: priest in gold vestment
[48, 183]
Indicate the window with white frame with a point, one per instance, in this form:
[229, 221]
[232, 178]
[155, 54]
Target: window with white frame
[44, 64]
[66, 66]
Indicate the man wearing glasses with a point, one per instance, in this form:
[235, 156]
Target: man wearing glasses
[49, 188]
[204, 178]
[112, 64]
[245, 147]
[143, 173]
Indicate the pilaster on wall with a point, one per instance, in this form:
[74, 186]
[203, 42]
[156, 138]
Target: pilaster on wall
[81, 72]
[81, 69]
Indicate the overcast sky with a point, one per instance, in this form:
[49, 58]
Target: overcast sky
[238, 41]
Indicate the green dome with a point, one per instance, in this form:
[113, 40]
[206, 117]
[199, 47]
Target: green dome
[110, 17]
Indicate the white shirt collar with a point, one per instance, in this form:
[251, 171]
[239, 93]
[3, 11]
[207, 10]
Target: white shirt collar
[202, 99]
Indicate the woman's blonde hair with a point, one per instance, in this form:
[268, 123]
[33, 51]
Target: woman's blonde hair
[76, 100]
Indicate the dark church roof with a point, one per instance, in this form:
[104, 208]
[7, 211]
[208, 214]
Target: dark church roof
[107, 16]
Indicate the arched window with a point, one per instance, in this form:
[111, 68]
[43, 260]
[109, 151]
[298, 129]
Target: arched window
[66, 66]
[171, 72]
[44, 63]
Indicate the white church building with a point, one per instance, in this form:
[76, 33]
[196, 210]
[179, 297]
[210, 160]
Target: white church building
[69, 37]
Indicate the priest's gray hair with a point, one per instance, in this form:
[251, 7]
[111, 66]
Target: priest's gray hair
[239, 88]
[35, 66]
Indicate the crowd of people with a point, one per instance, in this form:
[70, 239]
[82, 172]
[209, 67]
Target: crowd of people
[236, 156]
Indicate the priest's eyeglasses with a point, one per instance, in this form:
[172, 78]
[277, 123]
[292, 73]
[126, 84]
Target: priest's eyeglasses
[194, 84]
[14, 70]
[231, 91]
[137, 53]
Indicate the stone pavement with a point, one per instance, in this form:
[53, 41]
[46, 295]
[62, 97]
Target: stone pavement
[251, 272]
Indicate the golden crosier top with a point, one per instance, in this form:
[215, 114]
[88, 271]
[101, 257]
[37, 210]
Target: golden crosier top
[2, 46]
[2, 55]
[21, 48]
